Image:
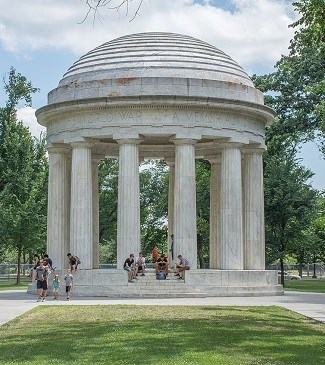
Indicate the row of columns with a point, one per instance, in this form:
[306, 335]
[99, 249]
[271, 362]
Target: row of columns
[236, 205]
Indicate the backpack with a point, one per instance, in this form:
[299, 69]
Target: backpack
[161, 275]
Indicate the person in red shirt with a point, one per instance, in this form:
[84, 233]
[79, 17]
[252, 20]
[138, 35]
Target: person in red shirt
[154, 254]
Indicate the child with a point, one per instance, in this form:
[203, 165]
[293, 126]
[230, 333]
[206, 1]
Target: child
[68, 283]
[55, 284]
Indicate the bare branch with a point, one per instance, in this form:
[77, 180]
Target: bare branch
[95, 6]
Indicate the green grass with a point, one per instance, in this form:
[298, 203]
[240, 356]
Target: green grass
[10, 284]
[165, 335]
[306, 284]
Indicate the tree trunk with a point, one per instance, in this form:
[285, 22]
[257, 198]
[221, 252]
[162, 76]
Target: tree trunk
[282, 271]
[19, 266]
[200, 251]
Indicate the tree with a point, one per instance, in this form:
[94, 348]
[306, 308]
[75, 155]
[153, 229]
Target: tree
[23, 176]
[108, 188]
[298, 84]
[203, 170]
[289, 199]
[153, 205]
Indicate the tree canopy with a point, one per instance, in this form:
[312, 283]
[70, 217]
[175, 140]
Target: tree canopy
[296, 90]
[23, 175]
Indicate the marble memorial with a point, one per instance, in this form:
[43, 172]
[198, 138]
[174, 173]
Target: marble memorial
[161, 96]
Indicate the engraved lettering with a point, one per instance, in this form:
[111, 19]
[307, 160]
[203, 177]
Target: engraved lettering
[175, 116]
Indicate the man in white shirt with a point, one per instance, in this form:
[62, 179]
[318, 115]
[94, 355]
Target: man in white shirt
[183, 264]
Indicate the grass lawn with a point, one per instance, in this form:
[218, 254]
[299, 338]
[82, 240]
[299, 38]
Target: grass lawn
[9, 284]
[306, 284]
[163, 335]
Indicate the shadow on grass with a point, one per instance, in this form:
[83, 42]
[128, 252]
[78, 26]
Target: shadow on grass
[164, 335]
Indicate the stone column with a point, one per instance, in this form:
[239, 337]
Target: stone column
[185, 236]
[81, 220]
[95, 197]
[253, 208]
[231, 226]
[128, 209]
[215, 182]
[171, 249]
[58, 214]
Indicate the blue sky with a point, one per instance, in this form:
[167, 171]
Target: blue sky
[43, 38]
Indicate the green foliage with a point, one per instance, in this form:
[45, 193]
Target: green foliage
[297, 87]
[17, 89]
[296, 91]
[108, 187]
[289, 200]
[203, 170]
[23, 176]
[153, 205]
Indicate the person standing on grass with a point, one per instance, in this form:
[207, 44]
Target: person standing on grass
[56, 284]
[68, 283]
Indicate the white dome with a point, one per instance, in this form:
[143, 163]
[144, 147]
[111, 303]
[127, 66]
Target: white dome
[156, 55]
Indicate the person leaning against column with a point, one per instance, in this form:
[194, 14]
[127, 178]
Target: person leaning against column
[183, 264]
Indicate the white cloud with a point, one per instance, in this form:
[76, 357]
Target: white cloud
[257, 32]
[27, 116]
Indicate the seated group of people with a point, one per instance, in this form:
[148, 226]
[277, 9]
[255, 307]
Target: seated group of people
[162, 264]
[135, 265]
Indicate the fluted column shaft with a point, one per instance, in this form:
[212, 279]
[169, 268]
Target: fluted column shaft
[81, 220]
[185, 236]
[171, 249]
[128, 210]
[58, 215]
[254, 239]
[95, 197]
[215, 181]
[231, 227]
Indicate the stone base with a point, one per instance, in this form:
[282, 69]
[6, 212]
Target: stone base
[198, 283]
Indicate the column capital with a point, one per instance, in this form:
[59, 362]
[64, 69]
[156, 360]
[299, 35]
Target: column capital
[253, 151]
[130, 141]
[170, 162]
[214, 159]
[97, 158]
[229, 145]
[51, 149]
[81, 144]
[184, 141]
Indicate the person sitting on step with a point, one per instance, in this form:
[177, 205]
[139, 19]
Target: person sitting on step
[129, 266]
[140, 263]
[162, 264]
[183, 264]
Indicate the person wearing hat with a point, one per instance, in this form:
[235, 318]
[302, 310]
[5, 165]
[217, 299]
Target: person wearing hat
[56, 284]
[183, 264]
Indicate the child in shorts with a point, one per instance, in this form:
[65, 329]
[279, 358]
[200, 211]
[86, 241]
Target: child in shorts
[56, 284]
[68, 283]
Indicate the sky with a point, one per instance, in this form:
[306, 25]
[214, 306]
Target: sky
[41, 39]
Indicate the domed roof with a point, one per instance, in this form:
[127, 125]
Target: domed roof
[156, 55]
